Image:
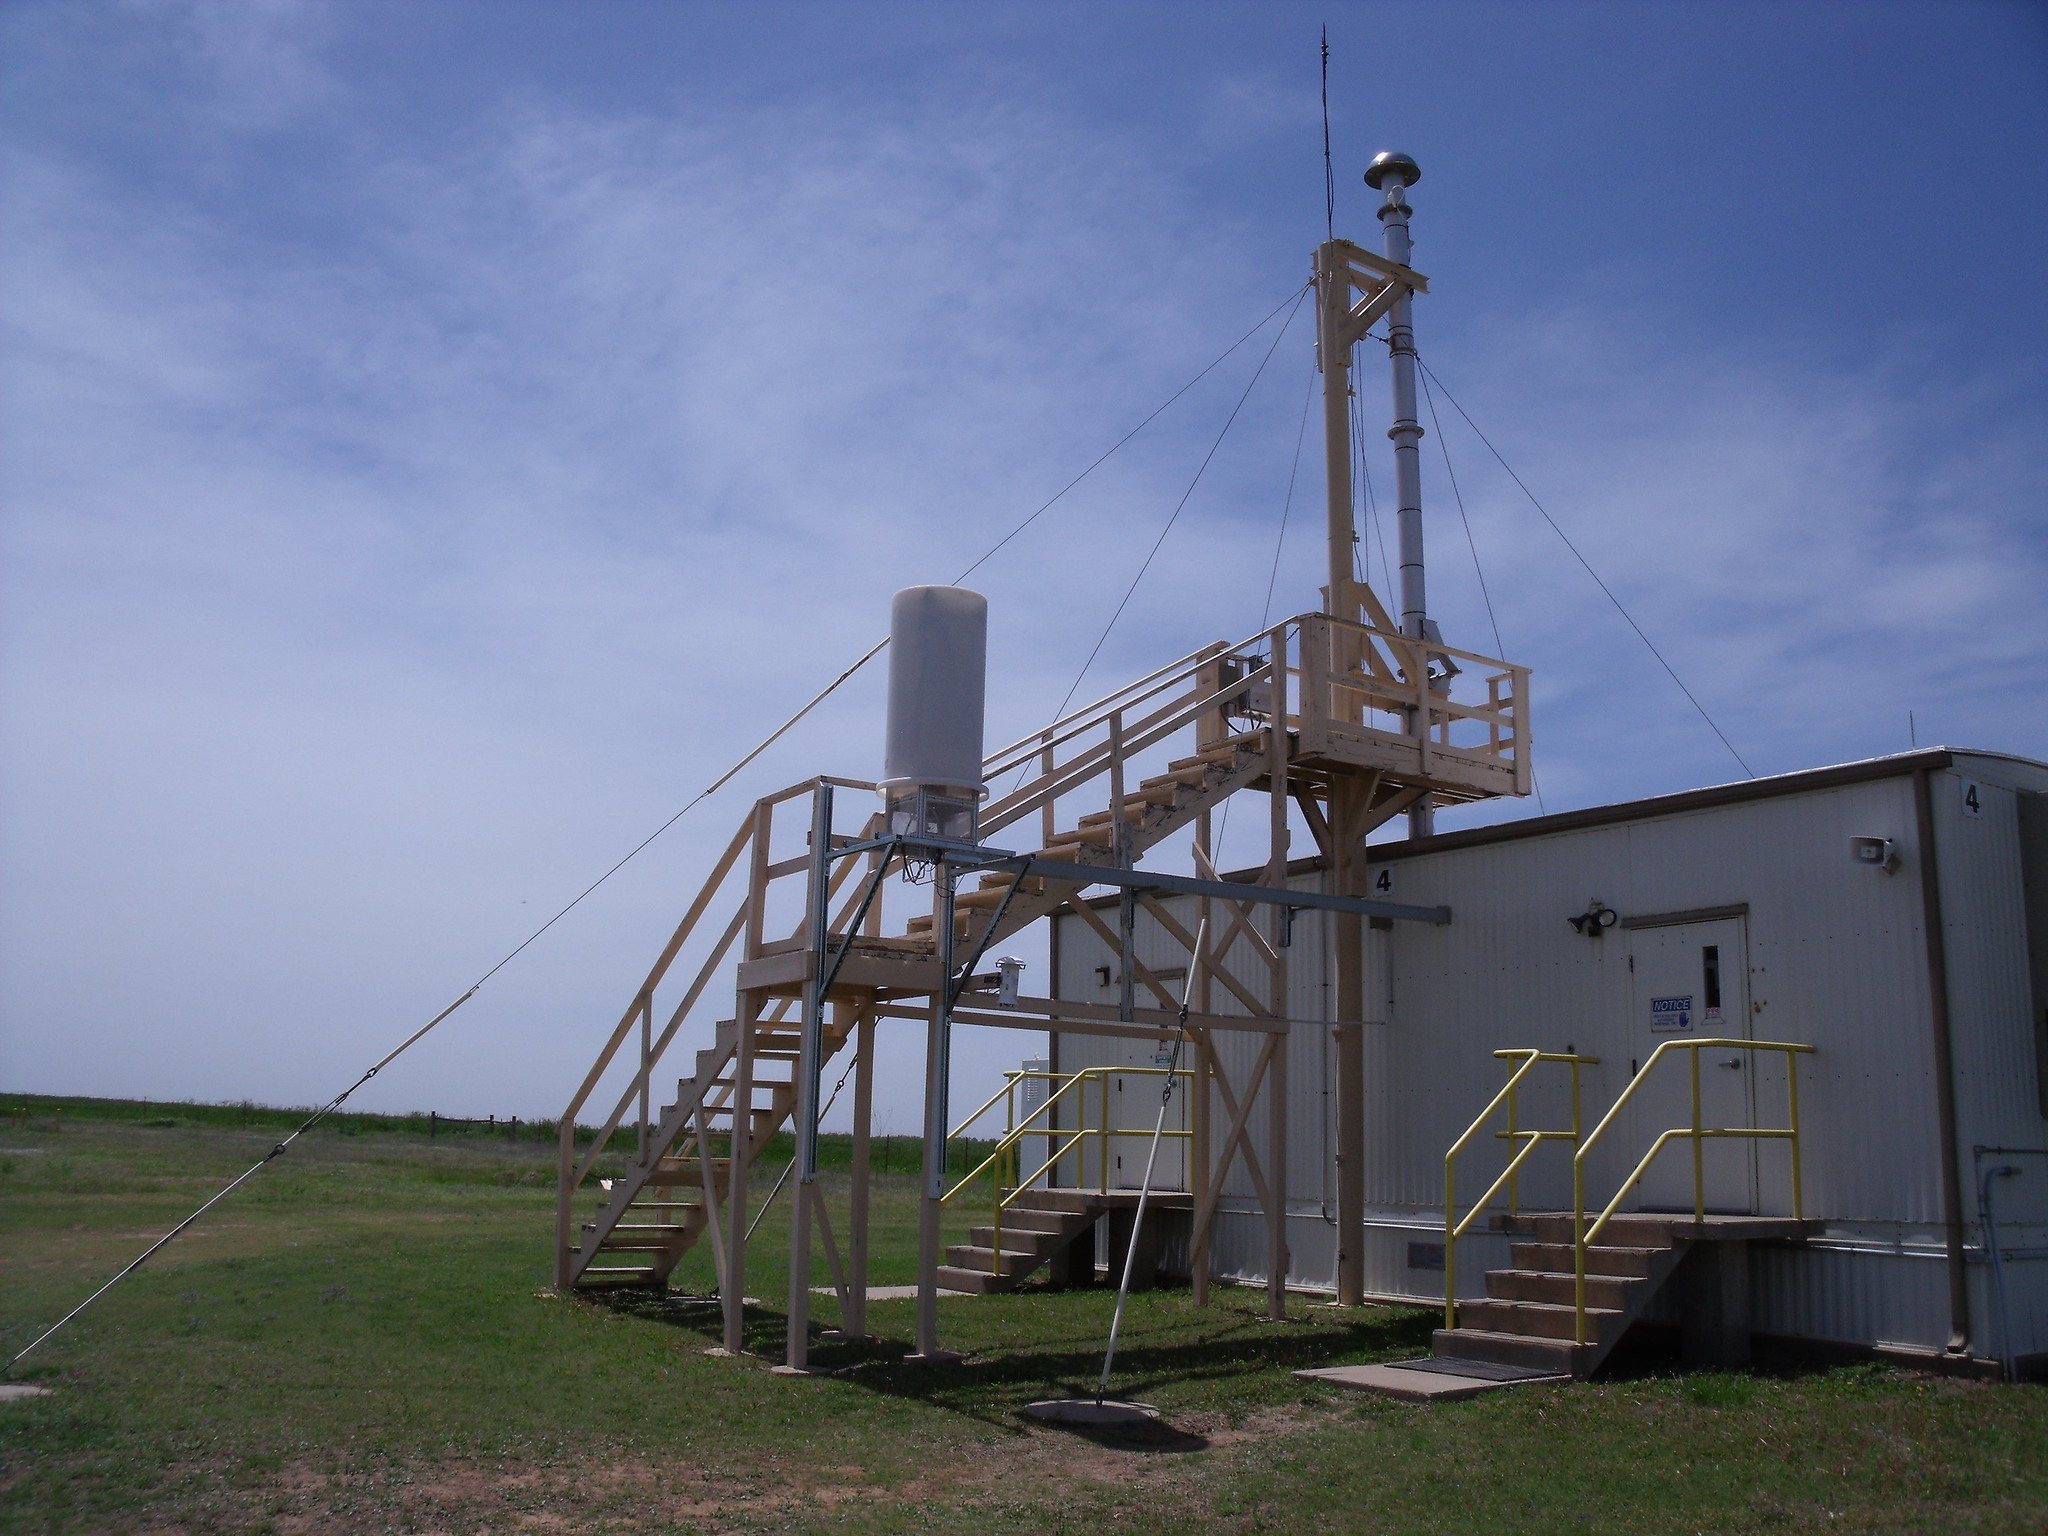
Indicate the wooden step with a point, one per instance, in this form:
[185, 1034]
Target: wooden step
[1540, 1320]
[1559, 1356]
[982, 900]
[1179, 779]
[1079, 837]
[1612, 1292]
[1222, 752]
[1558, 1259]
[1134, 811]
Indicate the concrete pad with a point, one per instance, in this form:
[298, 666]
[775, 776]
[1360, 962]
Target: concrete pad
[1410, 1386]
[14, 1391]
[1107, 1414]
[888, 1292]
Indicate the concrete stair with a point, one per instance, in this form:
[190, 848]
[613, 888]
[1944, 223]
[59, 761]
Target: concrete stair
[1038, 1227]
[1529, 1317]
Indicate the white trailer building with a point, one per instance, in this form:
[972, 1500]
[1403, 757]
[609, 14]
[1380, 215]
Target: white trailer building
[1891, 914]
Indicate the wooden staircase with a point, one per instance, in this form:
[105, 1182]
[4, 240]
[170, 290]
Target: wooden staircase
[679, 1176]
[1528, 1317]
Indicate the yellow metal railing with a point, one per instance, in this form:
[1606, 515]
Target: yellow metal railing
[1530, 1140]
[1005, 1163]
[1697, 1133]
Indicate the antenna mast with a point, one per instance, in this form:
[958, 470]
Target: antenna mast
[1388, 286]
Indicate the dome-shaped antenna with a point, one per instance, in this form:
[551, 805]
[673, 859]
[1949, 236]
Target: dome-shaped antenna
[1391, 162]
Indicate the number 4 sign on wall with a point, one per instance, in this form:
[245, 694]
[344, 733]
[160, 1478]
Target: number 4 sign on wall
[1973, 798]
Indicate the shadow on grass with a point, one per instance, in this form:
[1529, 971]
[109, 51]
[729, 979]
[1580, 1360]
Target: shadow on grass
[1181, 1355]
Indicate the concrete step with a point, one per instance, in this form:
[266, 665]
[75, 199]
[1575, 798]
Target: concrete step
[1542, 1320]
[1621, 1232]
[1073, 1202]
[1011, 1263]
[1024, 1218]
[1612, 1292]
[1557, 1258]
[978, 1282]
[634, 1274]
[1560, 1356]
[1024, 1240]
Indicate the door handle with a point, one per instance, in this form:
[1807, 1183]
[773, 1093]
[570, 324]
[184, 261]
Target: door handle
[1733, 1063]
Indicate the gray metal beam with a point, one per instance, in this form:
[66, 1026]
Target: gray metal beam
[1184, 885]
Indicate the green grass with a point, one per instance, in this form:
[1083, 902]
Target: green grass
[365, 1340]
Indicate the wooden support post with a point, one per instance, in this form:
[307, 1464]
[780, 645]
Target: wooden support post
[854, 1316]
[1276, 1076]
[739, 1142]
[809, 1066]
[1347, 878]
[1276, 1164]
[1200, 1175]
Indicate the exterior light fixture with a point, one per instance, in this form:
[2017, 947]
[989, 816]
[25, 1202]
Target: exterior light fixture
[1875, 852]
[1595, 920]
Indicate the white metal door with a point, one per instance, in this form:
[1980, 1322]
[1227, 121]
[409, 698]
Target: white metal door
[1134, 1107]
[1690, 981]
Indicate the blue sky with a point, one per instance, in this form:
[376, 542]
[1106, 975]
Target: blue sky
[439, 437]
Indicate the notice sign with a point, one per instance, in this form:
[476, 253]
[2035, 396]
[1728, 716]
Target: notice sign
[1669, 1015]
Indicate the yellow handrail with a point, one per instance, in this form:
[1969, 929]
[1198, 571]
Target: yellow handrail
[1530, 1140]
[1582, 1236]
[1006, 1148]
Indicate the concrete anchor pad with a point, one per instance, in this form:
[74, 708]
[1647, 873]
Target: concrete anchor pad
[1409, 1386]
[1106, 1414]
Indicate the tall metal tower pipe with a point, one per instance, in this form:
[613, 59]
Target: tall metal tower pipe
[1394, 173]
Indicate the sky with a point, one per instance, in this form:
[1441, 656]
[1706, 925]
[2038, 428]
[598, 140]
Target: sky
[438, 439]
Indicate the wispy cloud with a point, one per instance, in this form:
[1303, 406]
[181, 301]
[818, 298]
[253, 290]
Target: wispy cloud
[386, 559]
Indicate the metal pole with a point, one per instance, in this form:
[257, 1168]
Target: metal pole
[1123, 1289]
[1393, 174]
[937, 1068]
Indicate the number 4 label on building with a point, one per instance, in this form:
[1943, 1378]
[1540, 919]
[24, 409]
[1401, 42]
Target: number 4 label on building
[1383, 882]
[1973, 798]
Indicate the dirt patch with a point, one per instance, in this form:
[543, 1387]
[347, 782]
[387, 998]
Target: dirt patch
[593, 1496]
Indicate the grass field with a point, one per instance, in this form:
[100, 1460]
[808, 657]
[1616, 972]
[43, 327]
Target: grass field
[365, 1340]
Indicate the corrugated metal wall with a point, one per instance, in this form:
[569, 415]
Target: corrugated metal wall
[1836, 958]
